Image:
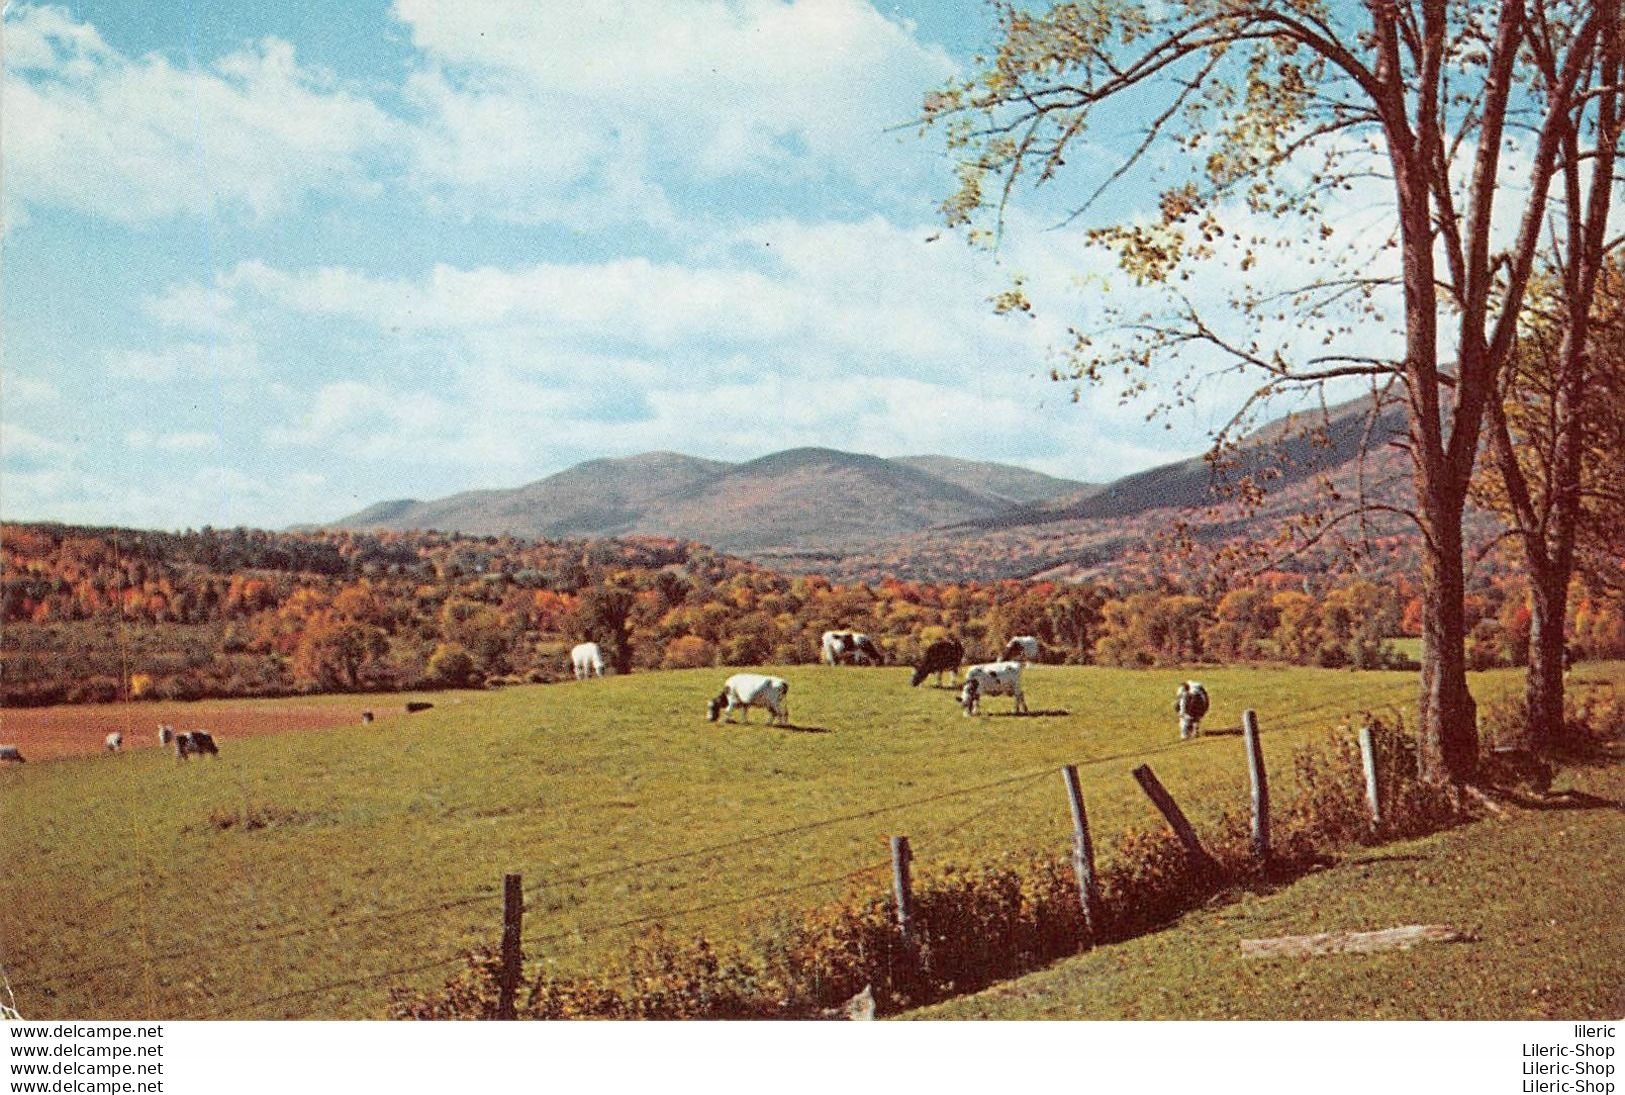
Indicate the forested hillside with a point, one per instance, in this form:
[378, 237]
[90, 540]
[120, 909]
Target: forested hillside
[103, 614]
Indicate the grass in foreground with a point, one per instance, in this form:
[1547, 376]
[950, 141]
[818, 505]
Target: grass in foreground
[1539, 890]
[130, 886]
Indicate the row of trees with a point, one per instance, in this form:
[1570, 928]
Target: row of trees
[466, 611]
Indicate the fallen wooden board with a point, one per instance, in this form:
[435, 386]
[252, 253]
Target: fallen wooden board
[1389, 939]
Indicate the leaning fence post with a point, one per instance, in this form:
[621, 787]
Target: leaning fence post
[513, 911]
[1261, 786]
[1200, 860]
[1368, 760]
[901, 857]
[1083, 855]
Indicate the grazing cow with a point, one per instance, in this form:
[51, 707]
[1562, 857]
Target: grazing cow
[992, 679]
[366, 717]
[1022, 648]
[1190, 703]
[166, 734]
[850, 647]
[414, 706]
[587, 660]
[742, 691]
[113, 742]
[195, 742]
[942, 656]
[11, 753]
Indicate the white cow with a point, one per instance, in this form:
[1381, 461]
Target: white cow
[850, 647]
[991, 679]
[113, 742]
[742, 691]
[1022, 648]
[587, 660]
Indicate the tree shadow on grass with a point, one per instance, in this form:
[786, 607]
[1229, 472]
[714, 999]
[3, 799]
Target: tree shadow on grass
[1562, 800]
[1387, 857]
[1041, 713]
[794, 729]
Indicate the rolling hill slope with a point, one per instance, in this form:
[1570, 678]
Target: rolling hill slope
[856, 517]
[1014, 485]
[813, 498]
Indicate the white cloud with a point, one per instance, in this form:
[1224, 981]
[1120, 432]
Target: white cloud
[833, 296]
[27, 391]
[543, 112]
[223, 496]
[187, 360]
[19, 442]
[181, 442]
[196, 310]
[139, 139]
[366, 420]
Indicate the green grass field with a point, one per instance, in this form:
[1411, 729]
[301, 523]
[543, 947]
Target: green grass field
[130, 887]
[1538, 890]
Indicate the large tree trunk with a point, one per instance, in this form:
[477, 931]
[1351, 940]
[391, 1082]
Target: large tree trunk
[1448, 736]
[1543, 686]
[1448, 730]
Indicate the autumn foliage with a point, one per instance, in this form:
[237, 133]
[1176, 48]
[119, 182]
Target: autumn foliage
[104, 614]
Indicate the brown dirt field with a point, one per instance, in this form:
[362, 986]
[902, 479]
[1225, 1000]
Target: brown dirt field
[78, 729]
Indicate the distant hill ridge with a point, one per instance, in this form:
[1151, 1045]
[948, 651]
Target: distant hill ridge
[817, 498]
[821, 509]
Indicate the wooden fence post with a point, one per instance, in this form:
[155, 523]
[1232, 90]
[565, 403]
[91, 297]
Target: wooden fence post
[1368, 760]
[1261, 786]
[1083, 856]
[1164, 802]
[513, 911]
[901, 857]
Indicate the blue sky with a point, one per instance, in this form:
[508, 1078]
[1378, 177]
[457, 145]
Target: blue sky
[270, 263]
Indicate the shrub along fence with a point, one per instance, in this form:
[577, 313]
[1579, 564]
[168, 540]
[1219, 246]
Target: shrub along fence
[960, 929]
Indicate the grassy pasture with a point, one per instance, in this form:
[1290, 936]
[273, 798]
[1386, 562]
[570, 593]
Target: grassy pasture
[130, 885]
[60, 730]
[1538, 890]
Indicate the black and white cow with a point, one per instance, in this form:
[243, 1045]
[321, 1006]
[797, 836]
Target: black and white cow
[850, 648]
[195, 743]
[942, 656]
[742, 691]
[12, 753]
[1022, 648]
[992, 679]
[113, 742]
[166, 734]
[1190, 704]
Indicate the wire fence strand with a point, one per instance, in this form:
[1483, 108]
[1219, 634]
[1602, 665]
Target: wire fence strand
[778, 834]
[653, 918]
[331, 986]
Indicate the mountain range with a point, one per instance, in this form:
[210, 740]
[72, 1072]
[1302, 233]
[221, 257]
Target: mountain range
[800, 499]
[854, 515]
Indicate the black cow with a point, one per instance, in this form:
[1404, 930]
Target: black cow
[942, 656]
[1190, 704]
[195, 742]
